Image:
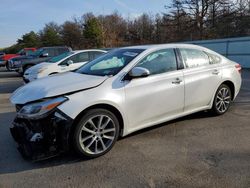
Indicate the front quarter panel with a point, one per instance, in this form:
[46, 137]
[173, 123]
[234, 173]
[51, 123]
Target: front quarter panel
[111, 92]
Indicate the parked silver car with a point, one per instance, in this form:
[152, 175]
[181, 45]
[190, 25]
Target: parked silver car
[123, 91]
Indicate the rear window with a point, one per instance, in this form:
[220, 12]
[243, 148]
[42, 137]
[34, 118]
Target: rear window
[214, 59]
[194, 58]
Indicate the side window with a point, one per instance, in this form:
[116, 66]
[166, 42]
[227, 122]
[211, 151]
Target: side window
[22, 52]
[43, 51]
[50, 51]
[78, 58]
[56, 51]
[82, 57]
[94, 55]
[62, 50]
[194, 58]
[29, 52]
[73, 58]
[159, 62]
[213, 59]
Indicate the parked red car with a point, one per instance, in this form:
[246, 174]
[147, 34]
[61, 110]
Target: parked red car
[25, 51]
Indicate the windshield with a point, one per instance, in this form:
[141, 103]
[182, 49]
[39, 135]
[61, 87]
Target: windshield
[60, 57]
[110, 63]
[21, 52]
[25, 52]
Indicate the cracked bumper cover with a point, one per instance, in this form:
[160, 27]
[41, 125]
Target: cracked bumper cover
[42, 138]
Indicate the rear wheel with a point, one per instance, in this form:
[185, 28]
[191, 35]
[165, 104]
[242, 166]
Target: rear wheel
[96, 133]
[222, 100]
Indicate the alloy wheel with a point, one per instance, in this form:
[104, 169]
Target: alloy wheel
[223, 100]
[97, 134]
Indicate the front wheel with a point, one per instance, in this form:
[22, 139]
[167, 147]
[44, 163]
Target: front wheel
[26, 68]
[96, 133]
[222, 100]
[8, 66]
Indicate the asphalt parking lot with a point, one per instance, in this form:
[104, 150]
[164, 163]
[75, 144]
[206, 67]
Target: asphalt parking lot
[195, 151]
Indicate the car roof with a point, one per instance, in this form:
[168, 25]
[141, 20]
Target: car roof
[170, 45]
[87, 50]
[47, 47]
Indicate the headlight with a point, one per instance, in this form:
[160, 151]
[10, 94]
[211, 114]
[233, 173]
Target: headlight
[41, 70]
[39, 109]
[17, 62]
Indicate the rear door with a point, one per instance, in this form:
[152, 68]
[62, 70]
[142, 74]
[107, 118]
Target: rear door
[160, 95]
[201, 78]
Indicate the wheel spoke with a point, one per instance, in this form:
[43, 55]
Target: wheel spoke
[220, 93]
[103, 145]
[219, 98]
[218, 103]
[224, 106]
[100, 122]
[92, 141]
[86, 138]
[105, 124]
[90, 121]
[223, 92]
[108, 130]
[88, 130]
[219, 107]
[226, 92]
[96, 144]
[108, 137]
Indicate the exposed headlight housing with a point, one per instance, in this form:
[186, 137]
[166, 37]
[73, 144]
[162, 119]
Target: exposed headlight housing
[40, 109]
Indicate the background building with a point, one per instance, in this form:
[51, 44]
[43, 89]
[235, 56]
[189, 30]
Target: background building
[236, 49]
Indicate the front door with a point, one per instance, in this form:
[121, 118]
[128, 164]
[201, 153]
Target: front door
[159, 96]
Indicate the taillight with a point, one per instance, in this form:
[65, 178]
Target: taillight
[238, 67]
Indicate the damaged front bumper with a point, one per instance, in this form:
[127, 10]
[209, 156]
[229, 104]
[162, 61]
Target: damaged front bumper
[42, 138]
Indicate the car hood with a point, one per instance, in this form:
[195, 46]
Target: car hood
[34, 69]
[55, 85]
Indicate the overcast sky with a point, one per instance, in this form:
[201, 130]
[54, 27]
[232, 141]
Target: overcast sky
[21, 16]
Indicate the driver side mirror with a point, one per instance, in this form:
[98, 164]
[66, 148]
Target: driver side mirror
[138, 72]
[69, 62]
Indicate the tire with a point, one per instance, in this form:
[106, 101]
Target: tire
[53, 73]
[96, 133]
[7, 66]
[26, 67]
[222, 100]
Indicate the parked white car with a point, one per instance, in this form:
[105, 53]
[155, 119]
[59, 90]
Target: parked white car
[123, 91]
[65, 62]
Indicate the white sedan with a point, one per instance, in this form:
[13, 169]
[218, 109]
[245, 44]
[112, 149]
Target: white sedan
[123, 91]
[65, 62]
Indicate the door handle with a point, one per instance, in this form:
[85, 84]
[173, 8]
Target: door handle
[177, 81]
[215, 72]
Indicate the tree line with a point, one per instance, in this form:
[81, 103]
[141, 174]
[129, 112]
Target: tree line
[183, 20]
